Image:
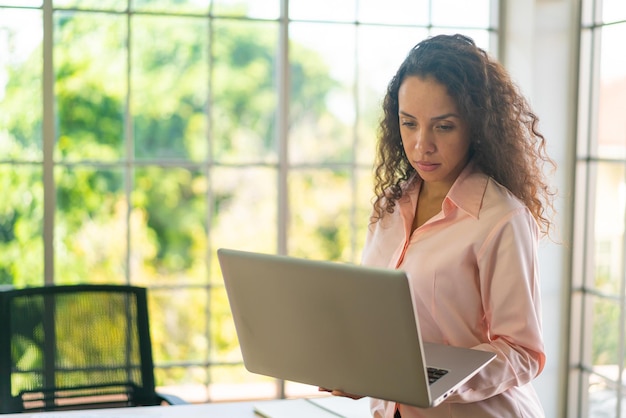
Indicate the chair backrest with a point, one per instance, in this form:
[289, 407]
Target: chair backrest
[75, 347]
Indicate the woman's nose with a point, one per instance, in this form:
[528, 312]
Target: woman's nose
[423, 141]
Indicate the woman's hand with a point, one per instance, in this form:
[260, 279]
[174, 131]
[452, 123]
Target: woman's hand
[336, 392]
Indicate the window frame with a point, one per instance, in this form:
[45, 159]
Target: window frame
[49, 164]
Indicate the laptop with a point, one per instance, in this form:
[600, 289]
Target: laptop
[338, 326]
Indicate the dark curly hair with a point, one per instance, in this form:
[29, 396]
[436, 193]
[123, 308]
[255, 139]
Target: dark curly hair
[505, 142]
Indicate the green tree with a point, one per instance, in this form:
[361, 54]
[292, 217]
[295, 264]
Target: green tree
[172, 86]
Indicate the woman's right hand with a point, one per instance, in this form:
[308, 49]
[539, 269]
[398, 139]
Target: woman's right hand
[336, 392]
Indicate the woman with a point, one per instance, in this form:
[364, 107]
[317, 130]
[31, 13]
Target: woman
[460, 204]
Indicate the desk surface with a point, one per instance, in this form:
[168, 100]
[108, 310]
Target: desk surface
[212, 410]
[289, 408]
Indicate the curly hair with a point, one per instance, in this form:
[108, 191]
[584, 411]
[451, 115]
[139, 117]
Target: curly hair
[504, 139]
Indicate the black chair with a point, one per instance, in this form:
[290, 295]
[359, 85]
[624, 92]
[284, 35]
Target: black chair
[76, 347]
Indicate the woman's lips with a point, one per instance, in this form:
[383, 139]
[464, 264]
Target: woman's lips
[425, 166]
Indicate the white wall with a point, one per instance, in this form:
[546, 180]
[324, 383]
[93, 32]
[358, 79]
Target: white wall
[540, 50]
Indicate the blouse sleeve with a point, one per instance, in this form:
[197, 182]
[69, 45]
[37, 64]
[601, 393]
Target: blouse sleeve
[509, 282]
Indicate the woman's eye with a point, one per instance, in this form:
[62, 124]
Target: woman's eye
[407, 123]
[444, 127]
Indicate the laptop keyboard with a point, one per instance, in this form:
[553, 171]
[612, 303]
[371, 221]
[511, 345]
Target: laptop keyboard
[435, 374]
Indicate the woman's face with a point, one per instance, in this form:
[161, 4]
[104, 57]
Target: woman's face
[435, 137]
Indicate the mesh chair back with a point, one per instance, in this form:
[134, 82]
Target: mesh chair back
[75, 347]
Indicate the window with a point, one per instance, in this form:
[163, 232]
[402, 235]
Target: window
[599, 289]
[137, 137]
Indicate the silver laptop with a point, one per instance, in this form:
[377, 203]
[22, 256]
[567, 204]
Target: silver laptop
[338, 326]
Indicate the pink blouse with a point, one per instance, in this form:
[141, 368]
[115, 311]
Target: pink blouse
[474, 277]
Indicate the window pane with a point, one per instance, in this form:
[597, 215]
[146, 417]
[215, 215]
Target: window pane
[260, 9]
[21, 225]
[613, 10]
[224, 341]
[323, 10]
[322, 107]
[90, 226]
[168, 226]
[90, 87]
[461, 13]
[20, 85]
[171, 6]
[398, 12]
[170, 87]
[117, 5]
[178, 328]
[245, 212]
[318, 229]
[606, 335]
[612, 98]
[244, 96]
[610, 205]
[21, 3]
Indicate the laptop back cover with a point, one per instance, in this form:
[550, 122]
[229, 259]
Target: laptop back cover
[326, 324]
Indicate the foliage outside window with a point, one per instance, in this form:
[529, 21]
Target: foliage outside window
[178, 127]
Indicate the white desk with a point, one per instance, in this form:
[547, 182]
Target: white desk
[210, 410]
[290, 408]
